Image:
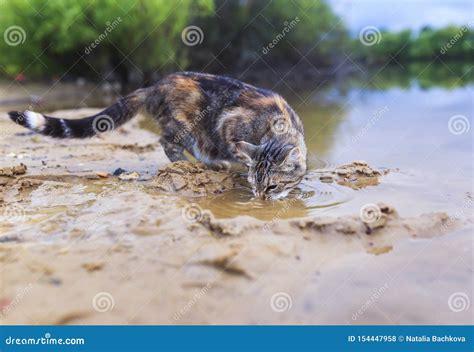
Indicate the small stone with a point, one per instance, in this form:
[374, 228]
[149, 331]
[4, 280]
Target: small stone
[342, 172]
[119, 171]
[55, 281]
[380, 250]
[326, 178]
[129, 176]
[360, 162]
[91, 267]
[386, 209]
[102, 174]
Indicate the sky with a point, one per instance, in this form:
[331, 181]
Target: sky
[396, 15]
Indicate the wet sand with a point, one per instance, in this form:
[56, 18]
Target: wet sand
[79, 245]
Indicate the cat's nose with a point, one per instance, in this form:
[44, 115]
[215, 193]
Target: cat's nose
[260, 194]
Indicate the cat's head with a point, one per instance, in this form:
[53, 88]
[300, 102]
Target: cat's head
[274, 168]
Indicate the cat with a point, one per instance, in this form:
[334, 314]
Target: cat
[217, 119]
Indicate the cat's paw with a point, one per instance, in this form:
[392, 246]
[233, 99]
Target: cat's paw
[220, 165]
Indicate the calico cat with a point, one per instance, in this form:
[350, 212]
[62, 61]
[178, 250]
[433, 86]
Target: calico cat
[217, 119]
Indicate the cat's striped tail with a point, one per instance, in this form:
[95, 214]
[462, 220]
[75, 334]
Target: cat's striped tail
[115, 115]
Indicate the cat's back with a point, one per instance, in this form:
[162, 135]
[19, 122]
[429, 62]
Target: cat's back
[208, 87]
[216, 99]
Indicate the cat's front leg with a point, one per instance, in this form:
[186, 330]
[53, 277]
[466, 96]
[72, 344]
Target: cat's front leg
[219, 165]
[173, 151]
[243, 152]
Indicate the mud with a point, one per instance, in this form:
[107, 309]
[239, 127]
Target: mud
[192, 179]
[80, 245]
[356, 175]
[13, 171]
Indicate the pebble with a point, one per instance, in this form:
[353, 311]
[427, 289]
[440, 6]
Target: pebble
[326, 178]
[119, 171]
[102, 174]
[129, 176]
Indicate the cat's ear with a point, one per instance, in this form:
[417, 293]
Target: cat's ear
[293, 156]
[247, 151]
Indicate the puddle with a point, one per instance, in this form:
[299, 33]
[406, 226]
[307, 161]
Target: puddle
[308, 199]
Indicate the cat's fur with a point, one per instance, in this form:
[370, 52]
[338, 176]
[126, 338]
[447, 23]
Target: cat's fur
[217, 119]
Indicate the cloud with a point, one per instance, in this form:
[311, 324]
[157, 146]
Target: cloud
[402, 14]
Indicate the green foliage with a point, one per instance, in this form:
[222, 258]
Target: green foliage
[241, 31]
[137, 38]
[391, 45]
[146, 34]
[451, 42]
[448, 43]
[147, 37]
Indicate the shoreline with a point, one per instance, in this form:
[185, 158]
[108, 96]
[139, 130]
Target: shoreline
[79, 234]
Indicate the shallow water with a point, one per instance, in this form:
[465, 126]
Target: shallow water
[402, 128]
[122, 237]
[303, 202]
[399, 125]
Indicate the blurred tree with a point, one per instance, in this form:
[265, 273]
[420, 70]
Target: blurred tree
[131, 37]
[279, 31]
[140, 40]
[448, 43]
[134, 38]
[391, 46]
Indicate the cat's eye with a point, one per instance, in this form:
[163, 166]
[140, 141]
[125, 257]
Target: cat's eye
[269, 188]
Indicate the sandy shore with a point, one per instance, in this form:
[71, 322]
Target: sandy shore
[79, 245]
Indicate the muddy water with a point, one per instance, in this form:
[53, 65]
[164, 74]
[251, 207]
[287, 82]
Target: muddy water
[405, 129]
[306, 200]
[74, 235]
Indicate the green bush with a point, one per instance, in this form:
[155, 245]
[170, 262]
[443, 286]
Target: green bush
[144, 34]
[135, 38]
[279, 31]
[143, 39]
[448, 43]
